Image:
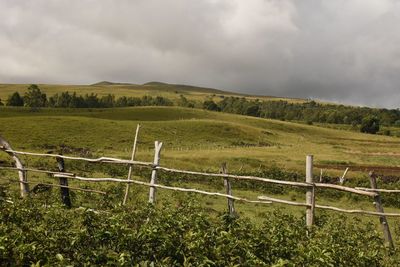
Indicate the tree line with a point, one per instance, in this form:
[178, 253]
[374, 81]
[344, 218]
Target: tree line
[369, 119]
[35, 98]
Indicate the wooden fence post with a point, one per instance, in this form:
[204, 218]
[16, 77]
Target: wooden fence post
[23, 179]
[379, 208]
[64, 190]
[310, 195]
[228, 186]
[156, 162]
[130, 166]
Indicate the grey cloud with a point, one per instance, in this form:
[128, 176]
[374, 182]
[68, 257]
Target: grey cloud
[341, 50]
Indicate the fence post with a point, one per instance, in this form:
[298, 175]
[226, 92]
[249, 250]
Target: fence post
[64, 190]
[228, 186]
[130, 166]
[310, 194]
[156, 162]
[23, 179]
[379, 208]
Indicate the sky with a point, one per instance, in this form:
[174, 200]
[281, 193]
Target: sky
[337, 50]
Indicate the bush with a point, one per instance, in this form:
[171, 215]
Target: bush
[178, 235]
[15, 100]
[370, 124]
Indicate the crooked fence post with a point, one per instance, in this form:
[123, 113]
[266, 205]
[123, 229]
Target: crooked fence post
[156, 162]
[310, 195]
[24, 187]
[379, 208]
[342, 179]
[130, 166]
[64, 190]
[228, 186]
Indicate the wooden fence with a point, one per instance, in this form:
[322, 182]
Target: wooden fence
[310, 205]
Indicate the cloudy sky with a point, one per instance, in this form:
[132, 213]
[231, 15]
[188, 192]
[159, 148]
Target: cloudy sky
[340, 50]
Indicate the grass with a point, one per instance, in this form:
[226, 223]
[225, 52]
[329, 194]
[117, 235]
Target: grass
[170, 91]
[191, 136]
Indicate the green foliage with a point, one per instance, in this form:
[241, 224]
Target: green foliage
[34, 98]
[370, 124]
[178, 235]
[15, 100]
[210, 105]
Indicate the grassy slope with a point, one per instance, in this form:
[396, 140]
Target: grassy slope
[191, 135]
[171, 91]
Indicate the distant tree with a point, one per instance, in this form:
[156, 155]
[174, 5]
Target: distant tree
[253, 110]
[210, 105]
[121, 102]
[15, 100]
[92, 101]
[34, 98]
[107, 101]
[369, 124]
[1, 103]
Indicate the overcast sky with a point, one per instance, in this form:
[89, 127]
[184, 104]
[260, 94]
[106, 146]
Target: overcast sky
[340, 50]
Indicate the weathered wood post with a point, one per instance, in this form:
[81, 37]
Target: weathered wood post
[156, 162]
[130, 166]
[228, 186]
[379, 208]
[64, 190]
[342, 179]
[310, 194]
[24, 187]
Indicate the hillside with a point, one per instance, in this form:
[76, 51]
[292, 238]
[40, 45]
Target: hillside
[192, 135]
[171, 91]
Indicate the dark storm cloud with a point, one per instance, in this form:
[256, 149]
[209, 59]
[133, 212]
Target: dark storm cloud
[344, 50]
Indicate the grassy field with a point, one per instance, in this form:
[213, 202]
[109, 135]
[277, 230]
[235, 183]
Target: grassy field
[170, 91]
[191, 136]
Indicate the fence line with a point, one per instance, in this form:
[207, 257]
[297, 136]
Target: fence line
[96, 160]
[61, 186]
[243, 177]
[379, 190]
[159, 186]
[309, 184]
[292, 203]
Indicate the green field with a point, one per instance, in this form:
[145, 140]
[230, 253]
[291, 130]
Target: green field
[190, 135]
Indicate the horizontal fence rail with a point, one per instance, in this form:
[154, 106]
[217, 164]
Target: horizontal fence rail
[61, 186]
[242, 177]
[102, 180]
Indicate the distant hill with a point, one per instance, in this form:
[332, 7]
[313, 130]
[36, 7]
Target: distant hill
[171, 91]
[107, 83]
[190, 88]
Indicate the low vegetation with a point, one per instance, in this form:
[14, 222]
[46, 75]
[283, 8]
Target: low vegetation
[180, 234]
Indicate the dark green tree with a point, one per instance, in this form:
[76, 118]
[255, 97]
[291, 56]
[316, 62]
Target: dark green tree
[34, 97]
[369, 124]
[15, 100]
[210, 105]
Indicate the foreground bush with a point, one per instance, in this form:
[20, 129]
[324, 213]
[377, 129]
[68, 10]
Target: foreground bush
[177, 235]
